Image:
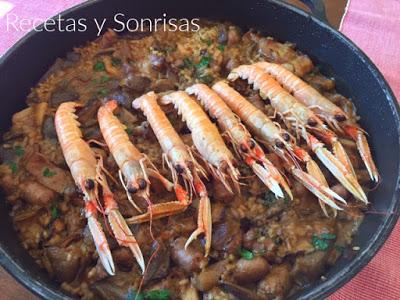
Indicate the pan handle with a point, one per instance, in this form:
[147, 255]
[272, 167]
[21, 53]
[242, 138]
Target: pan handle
[317, 8]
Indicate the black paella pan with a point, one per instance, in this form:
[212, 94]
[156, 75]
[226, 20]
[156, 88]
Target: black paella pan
[356, 77]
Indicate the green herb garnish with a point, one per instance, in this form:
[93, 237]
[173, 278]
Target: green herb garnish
[206, 41]
[133, 295]
[319, 244]
[161, 294]
[246, 254]
[103, 92]
[128, 130]
[204, 62]
[48, 173]
[99, 66]
[207, 79]
[322, 242]
[115, 61]
[104, 78]
[19, 151]
[54, 212]
[221, 47]
[328, 236]
[187, 63]
[13, 167]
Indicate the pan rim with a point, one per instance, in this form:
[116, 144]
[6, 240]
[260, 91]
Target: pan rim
[321, 290]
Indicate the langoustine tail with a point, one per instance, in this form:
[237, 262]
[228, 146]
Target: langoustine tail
[99, 238]
[119, 227]
[363, 148]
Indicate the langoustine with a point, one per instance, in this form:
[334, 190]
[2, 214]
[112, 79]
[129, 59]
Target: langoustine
[87, 172]
[206, 139]
[247, 148]
[279, 141]
[303, 121]
[333, 115]
[182, 165]
[135, 167]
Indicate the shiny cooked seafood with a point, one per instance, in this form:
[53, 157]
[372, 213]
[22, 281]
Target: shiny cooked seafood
[171, 165]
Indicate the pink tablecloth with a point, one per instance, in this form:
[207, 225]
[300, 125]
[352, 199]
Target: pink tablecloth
[374, 25]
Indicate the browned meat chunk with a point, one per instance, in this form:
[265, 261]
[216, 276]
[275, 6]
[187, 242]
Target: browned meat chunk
[65, 262]
[192, 259]
[61, 95]
[227, 236]
[276, 283]
[48, 174]
[251, 270]
[123, 258]
[221, 193]
[36, 193]
[210, 276]
[136, 83]
[310, 266]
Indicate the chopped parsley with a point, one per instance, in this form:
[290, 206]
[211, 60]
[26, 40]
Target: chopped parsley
[99, 66]
[104, 78]
[207, 79]
[128, 130]
[328, 236]
[161, 294]
[133, 295]
[13, 167]
[19, 151]
[321, 242]
[48, 173]
[115, 61]
[54, 212]
[187, 63]
[246, 254]
[221, 47]
[204, 62]
[103, 92]
[206, 41]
